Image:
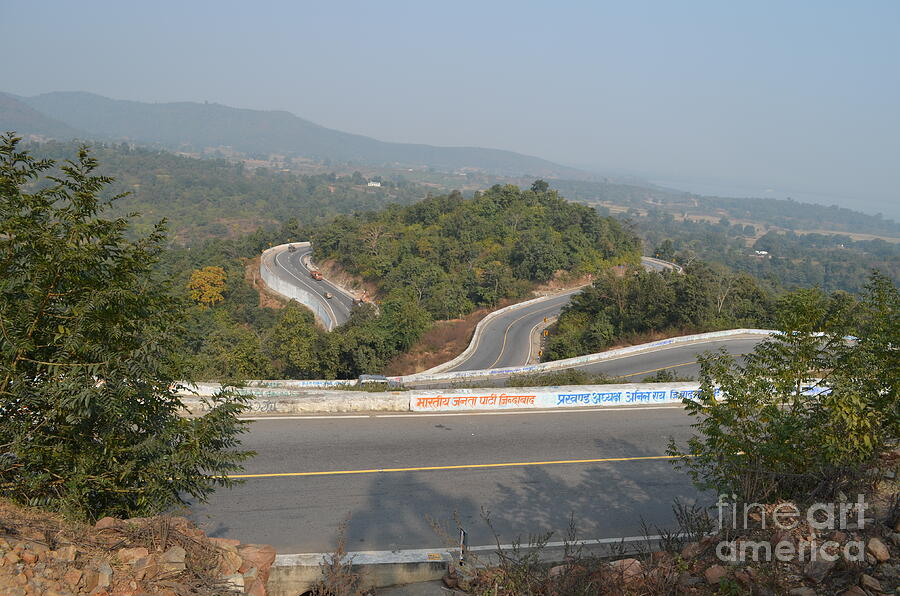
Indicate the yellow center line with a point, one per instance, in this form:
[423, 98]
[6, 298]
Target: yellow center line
[458, 467]
[506, 333]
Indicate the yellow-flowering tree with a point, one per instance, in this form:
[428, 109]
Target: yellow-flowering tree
[207, 285]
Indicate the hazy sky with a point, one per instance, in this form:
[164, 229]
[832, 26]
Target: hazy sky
[798, 98]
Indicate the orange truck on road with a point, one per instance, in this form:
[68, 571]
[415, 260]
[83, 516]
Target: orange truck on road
[316, 275]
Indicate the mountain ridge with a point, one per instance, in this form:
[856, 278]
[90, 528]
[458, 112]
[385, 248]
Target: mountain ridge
[195, 125]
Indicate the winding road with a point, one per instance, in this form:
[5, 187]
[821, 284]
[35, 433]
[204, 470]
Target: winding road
[505, 340]
[290, 267]
[390, 473]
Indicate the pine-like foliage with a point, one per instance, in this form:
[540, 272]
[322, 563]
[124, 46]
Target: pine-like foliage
[89, 420]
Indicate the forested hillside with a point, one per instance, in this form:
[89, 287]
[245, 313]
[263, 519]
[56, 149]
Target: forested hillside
[830, 261]
[625, 306]
[436, 259]
[215, 198]
[450, 255]
[785, 214]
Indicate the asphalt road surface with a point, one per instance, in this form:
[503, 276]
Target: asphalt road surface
[506, 340]
[289, 267]
[389, 474]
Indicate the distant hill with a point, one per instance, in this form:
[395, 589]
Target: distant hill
[195, 126]
[16, 115]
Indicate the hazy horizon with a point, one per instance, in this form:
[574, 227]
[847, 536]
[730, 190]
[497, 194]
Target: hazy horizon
[794, 99]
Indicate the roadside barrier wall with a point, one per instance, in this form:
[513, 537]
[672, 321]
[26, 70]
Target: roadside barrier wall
[568, 396]
[289, 290]
[279, 401]
[578, 360]
[311, 401]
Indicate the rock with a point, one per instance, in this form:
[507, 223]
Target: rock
[146, 567]
[260, 556]
[878, 550]
[715, 574]
[104, 575]
[870, 583]
[256, 588]
[897, 526]
[627, 569]
[804, 591]
[226, 543]
[130, 555]
[72, 577]
[229, 563]
[235, 581]
[854, 591]
[11, 558]
[91, 577]
[818, 569]
[839, 537]
[67, 553]
[173, 560]
[691, 550]
[37, 548]
[556, 570]
[895, 538]
[661, 557]
[743, 577]
[889, 571]
[107, 523]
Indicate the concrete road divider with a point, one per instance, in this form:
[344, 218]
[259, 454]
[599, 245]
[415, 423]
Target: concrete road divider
[279, 401]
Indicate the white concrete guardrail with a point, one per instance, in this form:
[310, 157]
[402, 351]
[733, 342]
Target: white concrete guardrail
[468, 400]
[664, 264]
[291, 291]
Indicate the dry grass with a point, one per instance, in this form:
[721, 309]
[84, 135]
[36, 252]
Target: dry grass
[444, 341]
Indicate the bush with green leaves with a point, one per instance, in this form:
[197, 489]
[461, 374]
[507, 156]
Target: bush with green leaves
[90, 422]
[809, 407]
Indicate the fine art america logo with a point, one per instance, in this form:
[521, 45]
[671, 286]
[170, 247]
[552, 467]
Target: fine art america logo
[819, 518]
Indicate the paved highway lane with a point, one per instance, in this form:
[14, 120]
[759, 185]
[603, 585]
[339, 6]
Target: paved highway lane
[506, 339]
[290, 267]
[432, 457]
[681, 359]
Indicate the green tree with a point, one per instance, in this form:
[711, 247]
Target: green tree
[540, 186]
[809, 406]
[90, 422]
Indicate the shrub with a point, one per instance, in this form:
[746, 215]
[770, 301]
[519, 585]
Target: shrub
[90, 421]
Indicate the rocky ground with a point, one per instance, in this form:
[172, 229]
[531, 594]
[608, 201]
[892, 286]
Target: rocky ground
[40, 554]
